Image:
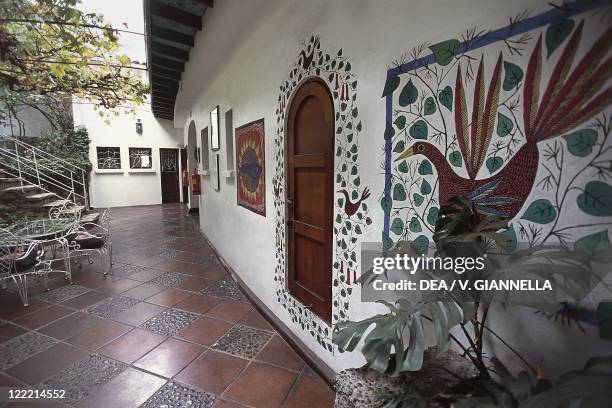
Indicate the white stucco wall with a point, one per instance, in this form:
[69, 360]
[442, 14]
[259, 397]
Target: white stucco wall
[239, 60]
[127, 187]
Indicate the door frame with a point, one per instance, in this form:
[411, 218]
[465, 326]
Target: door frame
[327, 318]
[161, 182]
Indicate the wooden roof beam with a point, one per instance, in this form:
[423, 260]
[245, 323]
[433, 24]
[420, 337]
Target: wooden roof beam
[171, 35]
[177, 15]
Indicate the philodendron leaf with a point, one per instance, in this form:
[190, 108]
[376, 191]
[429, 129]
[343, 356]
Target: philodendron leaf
[399, 192]
[557, 32]
[397, 226]
[504, 125]
[580, 143]
[425, 168]
[429, 107]
[455, 158]
[596, 199]
[391, 85]
[541, 212]
[513, 75]
[408, 95]
[418, 130]
[420, 245]
[596, 246]
[445, 51]
[445, 315]
[413, 361]
[445, 96]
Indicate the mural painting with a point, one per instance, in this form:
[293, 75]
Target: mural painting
[250, 156]
[517, 119]
[350, 208]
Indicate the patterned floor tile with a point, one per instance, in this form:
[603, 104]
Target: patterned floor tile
[169, 322]
[170, 279]
[112, 306]
[174, 395]
[170, 254]
[23, 347]
[225, 288]
[125, 270]
[243, 341]
[63, 293]
[82, 377]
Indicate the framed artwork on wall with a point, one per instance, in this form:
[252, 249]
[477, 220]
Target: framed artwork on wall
[216, 182]
[214, 129]
[250, 167]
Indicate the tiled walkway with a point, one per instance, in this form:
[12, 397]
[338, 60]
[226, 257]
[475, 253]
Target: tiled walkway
[167, 328]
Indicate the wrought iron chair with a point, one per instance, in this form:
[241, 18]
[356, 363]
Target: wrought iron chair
[88, 239]
[20, 258]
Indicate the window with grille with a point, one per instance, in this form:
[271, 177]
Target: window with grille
[140, 158]
[109, 158]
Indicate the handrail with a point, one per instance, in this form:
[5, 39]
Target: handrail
[25, 160]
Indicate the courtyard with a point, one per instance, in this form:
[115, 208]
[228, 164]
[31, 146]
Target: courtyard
[168, 325]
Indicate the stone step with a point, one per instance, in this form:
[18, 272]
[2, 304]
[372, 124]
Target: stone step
[18, 189]
[56, 203]
[8, 180]
[90, 217]
[40, 196]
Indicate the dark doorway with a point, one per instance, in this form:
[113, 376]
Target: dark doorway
[184, 166]
[310, 169]
[168, 164]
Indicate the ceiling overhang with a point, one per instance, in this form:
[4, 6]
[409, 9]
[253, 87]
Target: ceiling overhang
[170, 28]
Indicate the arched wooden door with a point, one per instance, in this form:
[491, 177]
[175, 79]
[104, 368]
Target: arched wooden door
[310, 171]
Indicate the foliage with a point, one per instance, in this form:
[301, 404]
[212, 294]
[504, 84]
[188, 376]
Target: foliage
[462, 231]
[52, 51]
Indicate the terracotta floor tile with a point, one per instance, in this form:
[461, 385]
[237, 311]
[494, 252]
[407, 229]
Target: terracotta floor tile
[248, 388]
[47, 404]
[6, 381]
[255, 319]
[70, 325]
[17, 309]
[43, 316]
[212, 371]
[99, 334]
[213, 273]
[45, 364]
[143, 291]
[230, 310]
[169, 297]
[138, 314]
[130, 389]
[204, 331]
[171, 265]
[279, 353]
[226, 404]
[116, 286]
[311, 392]
[88, 279]
[198, 303]
[133, 345]
[169, 358]
[8, 331]
[194, 284]
[85, 300]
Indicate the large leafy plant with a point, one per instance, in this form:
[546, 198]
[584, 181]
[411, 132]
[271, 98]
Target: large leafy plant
[396, 342]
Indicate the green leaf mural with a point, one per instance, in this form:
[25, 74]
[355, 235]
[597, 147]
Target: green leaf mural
[445, 97]
[403, 167]
[580, 143]
[391, 85]
[494, 164]
[389, 132]
[513, 75]
[386, 203]
[408, 95]
[397, 226]
[596, 199]
[400, 122]
[432, 215]
[556, 33]
[399, 192]
[455, 158]
[504, 125]
[415, 225]
[418, 199]
[425, 168]
[418, 130]
[445, 51]
[425, 187]
[420, 244]
[596, 246]
[541, 212]
[399, 147]
[429, 107]
[387, 242]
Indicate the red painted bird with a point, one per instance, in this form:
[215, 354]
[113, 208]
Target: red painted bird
[570, 99]
[351, 208]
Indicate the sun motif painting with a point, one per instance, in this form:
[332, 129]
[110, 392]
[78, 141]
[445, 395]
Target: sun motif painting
[250, 155]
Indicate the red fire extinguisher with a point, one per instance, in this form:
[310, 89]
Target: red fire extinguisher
[185, 178]
[195, 183]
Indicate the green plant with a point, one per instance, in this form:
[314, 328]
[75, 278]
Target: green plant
[462, 231]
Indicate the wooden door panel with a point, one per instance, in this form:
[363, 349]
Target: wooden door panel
[310, 166]
[168, 164]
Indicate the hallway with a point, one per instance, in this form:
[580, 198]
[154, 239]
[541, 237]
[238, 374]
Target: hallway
[167, 327]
